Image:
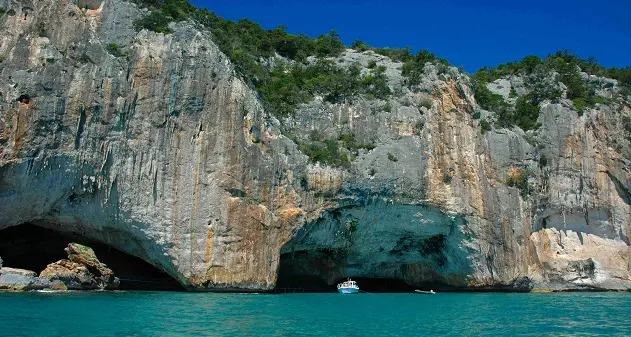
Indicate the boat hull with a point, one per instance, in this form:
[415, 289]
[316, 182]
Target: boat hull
[348, 290]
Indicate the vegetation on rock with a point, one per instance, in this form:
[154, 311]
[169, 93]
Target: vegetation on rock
[288, 70]
[288, 85]
[561, 61]
[542, 76]
[325, 152]
[350, 143]
[336, 153]
[413, 66]
[519, 178]
[392, 158]
[115, 50]
[485, 126]
[295, 77]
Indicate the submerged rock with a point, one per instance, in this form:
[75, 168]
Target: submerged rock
[83, 270]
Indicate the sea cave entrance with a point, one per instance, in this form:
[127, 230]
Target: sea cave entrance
[31, 247]
[306, 271]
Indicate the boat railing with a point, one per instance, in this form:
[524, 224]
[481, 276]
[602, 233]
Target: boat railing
[347, 284]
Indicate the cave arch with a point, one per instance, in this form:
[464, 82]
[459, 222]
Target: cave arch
[32, 247]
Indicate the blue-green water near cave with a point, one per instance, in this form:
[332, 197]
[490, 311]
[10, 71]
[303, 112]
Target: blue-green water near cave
[191, 314]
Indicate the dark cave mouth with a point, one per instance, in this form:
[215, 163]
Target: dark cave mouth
[31, 247]
[293, 283]
[307, 271]
[292, 278]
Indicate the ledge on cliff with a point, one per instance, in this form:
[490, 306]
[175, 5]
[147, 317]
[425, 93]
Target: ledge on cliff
[31, 247]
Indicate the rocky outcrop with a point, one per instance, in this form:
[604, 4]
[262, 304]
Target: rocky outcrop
[21, 272]
[73, 275]
[82, 272]
[162, 152]
[12, 279]
[85, 256]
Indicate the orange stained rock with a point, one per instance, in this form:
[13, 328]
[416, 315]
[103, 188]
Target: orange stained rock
[572, 145]
[93, 12]
[209, 244]
[514, 173]
[290, 214]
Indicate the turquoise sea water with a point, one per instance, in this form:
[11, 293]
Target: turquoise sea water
[188, 314]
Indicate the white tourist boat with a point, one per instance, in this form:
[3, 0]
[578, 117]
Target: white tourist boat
[348, 287]
[431, 292]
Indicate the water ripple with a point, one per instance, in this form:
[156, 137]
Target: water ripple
[185, 314]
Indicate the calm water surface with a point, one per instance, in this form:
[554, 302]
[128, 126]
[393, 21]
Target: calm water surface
[185, 314]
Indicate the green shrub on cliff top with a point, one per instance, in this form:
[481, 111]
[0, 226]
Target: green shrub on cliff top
[163, 12]
[413, 67]
[487, 99]
[246, 43]
[155, 21]
[290, 85]
[283, 87]
[286, 86]
[329, 45]
[526, 113]
[360, 46]
[375, 84]
[567, 66]
[542, 86]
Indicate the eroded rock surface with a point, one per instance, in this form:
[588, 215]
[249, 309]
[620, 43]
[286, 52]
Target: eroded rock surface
[73, 275]
[167, 155]
[82, 272]
[85, 256]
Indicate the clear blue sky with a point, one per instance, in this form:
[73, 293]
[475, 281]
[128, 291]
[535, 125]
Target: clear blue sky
[467, 34]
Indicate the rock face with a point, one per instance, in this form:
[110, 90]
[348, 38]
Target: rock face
[82, 272]
[150, 153]
[165, 154]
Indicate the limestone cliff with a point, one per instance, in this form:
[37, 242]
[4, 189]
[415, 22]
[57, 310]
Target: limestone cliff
[159, 149]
